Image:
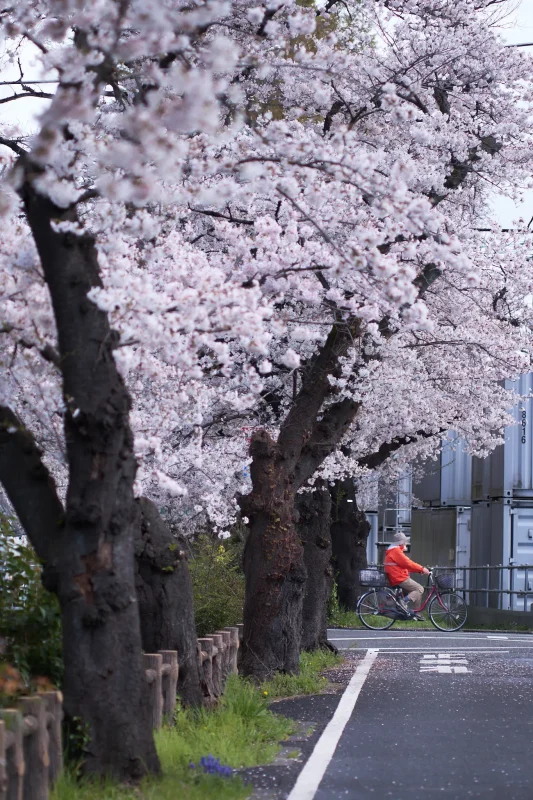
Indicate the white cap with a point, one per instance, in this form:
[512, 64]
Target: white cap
[401, 538]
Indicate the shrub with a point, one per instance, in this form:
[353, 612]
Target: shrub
[218, 583]
[30, 619]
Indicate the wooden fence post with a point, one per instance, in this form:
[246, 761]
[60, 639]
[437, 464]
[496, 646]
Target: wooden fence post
[3, 771]
[205, 659]
[170, 683]
[14, 753]
[226, 656]
[35, 749]
[153, 664]
[218, 655]
[234, 648]
[54, 715]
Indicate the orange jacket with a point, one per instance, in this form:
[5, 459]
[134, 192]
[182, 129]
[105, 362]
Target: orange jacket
[398, 566]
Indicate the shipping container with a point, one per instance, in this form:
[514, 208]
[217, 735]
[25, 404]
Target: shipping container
[502, 534]
[508, 470]
[372, 541]
[394, 507]
[441, 537]
[447, 480]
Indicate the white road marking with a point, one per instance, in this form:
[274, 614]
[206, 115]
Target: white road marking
[311, 775]
[457, 658]
[444, 670]
[444, 663]
[497, 637]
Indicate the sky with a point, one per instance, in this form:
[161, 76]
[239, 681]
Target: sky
[518, 27]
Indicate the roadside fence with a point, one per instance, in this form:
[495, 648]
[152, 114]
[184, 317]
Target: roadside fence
[506, 587]
[31, 753]
[217, 658]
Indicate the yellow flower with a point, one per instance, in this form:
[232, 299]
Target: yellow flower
[265, 694]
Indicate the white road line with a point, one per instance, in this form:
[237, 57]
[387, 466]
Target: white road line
[344, 639]
[480, 650]
[463, 637]
[309, 778]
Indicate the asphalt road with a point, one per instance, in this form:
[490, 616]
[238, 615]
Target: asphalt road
[428, 714]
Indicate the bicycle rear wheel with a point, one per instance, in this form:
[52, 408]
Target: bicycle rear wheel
[447, 611]
[368, 610]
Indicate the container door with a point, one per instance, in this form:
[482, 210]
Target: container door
[372, 541]
[518, 461]
[456, 472]
[462, 549]
[522, 557]
[395, 507]
[404, 495]
[433, 536]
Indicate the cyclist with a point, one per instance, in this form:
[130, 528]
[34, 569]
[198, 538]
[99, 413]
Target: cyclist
[397, 568]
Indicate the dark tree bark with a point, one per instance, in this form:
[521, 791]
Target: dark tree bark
[164, 592]
[273, 566]
[349, 534]
[314, 514]
[90, 557]
[273, 557]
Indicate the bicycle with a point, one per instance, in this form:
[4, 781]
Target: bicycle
[380, 606]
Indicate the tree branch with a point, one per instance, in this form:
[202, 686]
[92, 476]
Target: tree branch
[28, 484]
[326, 435]
[299, 423]
[376, 459]
[13, 145]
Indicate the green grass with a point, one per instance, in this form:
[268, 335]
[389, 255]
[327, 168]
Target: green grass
[349, 619]
[344, 619]
[241, 732]
[340, 618]
[308, 681]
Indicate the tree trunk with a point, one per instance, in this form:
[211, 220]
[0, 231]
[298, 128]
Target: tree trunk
[90, 561]
[273, 566]
[164, 593]
[273, 557]
[314, 511]
[349, 532]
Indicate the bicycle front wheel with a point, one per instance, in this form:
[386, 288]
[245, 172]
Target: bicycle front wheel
[447, 611]
[369, 611]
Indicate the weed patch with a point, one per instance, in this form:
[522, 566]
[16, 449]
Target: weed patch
[241, 732]
[308, 681]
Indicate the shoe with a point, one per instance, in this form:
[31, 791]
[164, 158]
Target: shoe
[417, 618]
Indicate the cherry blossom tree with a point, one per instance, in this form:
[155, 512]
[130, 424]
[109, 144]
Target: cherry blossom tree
[134, 90]
[243, 222]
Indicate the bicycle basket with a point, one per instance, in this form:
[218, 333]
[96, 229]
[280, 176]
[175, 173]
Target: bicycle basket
[372, 577]
[445, 581]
